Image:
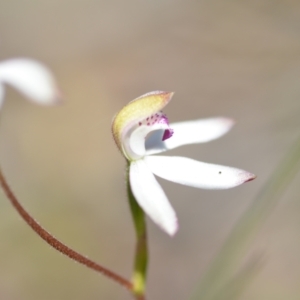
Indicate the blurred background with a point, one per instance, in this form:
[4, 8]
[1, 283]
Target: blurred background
[239, 59]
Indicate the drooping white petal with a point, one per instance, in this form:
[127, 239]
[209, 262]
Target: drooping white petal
[31, 78]
[196, 174]
[190, 132]
[151, 197]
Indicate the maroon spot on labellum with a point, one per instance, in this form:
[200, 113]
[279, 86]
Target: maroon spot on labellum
[148, 123]
[167, 134]
[140, 123]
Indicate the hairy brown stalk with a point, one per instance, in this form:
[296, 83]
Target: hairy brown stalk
[56, 244]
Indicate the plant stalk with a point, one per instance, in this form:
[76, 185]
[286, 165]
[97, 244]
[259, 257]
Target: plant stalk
[55, 243]
[141, 252]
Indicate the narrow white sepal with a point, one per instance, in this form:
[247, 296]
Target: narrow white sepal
[195, 173]
[31, 78]
[151, 197]
[189, 132]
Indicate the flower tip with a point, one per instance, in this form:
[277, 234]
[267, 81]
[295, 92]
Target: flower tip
[225, 124]
[55, 99]
[58, 98]
[246, 177]
[162, 96]
[167, 96]
[250, 177]
[229, 122]
[52, 99]
[173, 232]
[172, 228]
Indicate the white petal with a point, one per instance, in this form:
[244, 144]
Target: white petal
[151, 197]
[1, 94]
[31, 78]
[196, 174]
[189, 132]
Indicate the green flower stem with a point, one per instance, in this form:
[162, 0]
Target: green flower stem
[141, 252]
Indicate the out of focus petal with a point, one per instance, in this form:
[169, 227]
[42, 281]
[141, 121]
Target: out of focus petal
[2, 93]
[197, 174]
[31, 78]
[189, 132]
[151, 197]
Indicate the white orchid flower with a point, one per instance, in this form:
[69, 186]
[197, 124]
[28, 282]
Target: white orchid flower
[31, 78]
[140, 129]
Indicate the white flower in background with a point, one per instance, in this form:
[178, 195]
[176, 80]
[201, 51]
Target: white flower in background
[140, 129]
[30, 78]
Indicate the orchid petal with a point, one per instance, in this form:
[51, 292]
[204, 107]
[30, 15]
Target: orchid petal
[31, 78]
[151, 197]
[189, 132]
[1, 94]
[196, 174]
[134, 112]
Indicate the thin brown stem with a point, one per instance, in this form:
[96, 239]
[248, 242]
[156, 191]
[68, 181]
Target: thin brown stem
[56, 244]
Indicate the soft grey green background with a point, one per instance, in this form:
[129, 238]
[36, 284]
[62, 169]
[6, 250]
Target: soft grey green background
[239, 59]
